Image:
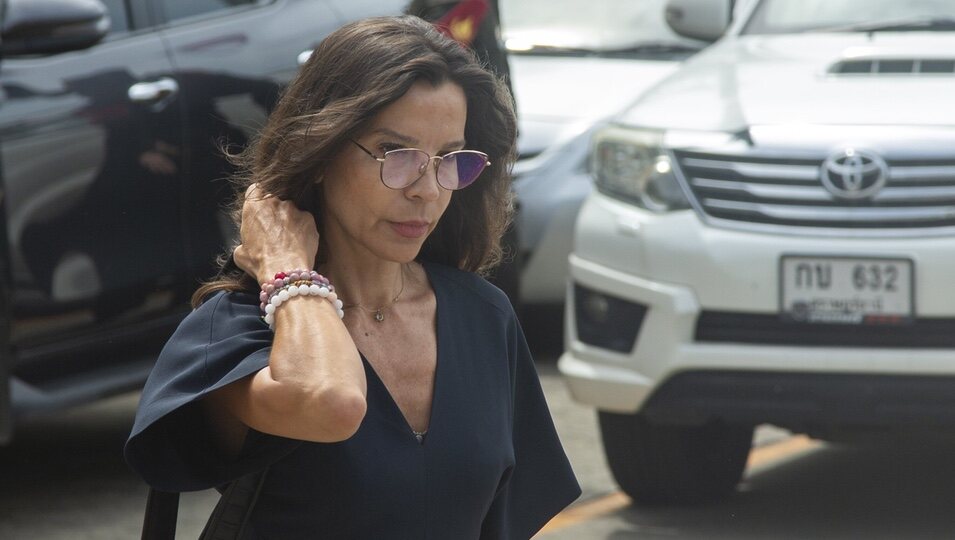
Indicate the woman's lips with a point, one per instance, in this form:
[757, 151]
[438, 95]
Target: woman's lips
[410, 229]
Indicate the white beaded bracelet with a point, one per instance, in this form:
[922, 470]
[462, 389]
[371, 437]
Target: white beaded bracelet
[296, 283]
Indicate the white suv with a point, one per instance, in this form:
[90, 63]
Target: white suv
[771, 240]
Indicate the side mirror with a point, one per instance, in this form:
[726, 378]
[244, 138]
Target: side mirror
[51, 26]
[705, 20]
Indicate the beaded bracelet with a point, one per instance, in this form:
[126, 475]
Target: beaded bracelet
[288, 285]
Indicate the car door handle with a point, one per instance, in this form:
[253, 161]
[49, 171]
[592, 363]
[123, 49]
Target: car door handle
[304, 56]
[154, 92]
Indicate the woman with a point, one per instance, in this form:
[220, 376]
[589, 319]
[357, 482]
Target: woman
[409, 408]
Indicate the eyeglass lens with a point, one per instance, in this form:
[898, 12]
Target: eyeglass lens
[456, 170]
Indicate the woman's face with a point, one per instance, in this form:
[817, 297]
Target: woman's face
[364, 217]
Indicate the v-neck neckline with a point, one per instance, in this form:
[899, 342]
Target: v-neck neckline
[436, 386]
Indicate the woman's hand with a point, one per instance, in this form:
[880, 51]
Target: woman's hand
[275, 236]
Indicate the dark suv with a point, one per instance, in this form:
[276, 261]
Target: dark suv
[113, 184]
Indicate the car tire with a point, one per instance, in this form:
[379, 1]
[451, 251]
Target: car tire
[674, 464]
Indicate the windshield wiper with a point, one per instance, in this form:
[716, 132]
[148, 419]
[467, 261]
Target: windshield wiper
[640, 49]
[654, 48]
[556, 50]
[922, 24]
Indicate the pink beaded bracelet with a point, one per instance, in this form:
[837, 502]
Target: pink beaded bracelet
[288, 285]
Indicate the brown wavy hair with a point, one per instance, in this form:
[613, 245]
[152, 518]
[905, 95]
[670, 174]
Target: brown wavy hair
[353, 74]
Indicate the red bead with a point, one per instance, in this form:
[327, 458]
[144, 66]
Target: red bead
[280, 275]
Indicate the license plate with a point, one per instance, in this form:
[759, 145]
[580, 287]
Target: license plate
[846, 290]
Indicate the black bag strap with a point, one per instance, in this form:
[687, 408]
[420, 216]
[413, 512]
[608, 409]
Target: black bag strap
[232, 512]
[162, 510]
[228, 518]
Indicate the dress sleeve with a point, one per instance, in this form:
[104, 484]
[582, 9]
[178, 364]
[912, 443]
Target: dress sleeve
[541, 483]
[171, 445]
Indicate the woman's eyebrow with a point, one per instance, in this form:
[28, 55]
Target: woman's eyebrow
[411, 141]
[456, 144]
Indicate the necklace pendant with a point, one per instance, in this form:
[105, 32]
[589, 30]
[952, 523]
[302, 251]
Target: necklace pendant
[378, 316]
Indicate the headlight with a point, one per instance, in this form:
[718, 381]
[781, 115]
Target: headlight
[632, 165]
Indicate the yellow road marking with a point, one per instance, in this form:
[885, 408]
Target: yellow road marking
[765, 455]
[758, 458]
[587, 511]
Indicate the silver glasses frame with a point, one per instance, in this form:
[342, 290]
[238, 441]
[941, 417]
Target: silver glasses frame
[424, 168]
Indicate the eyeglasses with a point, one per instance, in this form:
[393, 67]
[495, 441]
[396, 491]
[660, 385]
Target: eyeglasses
[455, 170]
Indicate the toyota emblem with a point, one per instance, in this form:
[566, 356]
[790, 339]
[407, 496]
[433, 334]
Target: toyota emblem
[854, 174]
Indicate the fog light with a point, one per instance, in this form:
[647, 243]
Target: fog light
[606, 321]
[596, 308]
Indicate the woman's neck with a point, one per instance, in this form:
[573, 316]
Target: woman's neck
[370, 284]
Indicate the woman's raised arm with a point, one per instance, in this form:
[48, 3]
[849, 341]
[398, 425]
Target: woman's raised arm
[314, 386]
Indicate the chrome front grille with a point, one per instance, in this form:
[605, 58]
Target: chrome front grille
[789, 192]
[893, 66]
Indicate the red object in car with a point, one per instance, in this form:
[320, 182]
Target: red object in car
[462, 22]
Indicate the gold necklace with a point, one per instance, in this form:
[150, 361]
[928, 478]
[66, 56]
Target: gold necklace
[378, 315]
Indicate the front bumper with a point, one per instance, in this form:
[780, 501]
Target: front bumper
[683, 272]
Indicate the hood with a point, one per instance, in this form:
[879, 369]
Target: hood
[559, 97]
[794, 79]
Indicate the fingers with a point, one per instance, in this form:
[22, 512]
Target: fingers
[250, 192]
[256, 201]
[244, 261]
[255, 193]
[274, 234]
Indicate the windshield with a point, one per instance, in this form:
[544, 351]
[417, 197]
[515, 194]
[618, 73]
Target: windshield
[790, 16]
[585, 26]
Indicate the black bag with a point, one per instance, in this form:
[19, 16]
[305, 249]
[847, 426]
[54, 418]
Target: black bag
[228, 519]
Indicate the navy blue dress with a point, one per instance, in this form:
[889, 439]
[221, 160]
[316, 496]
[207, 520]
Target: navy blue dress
[491, 465]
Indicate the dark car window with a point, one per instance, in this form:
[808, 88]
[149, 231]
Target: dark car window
[183, 9]
[118, 16]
